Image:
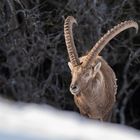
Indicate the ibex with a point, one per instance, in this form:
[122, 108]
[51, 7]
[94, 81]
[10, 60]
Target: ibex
[93, 80]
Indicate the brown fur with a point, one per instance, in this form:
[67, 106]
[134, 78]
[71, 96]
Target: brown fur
[96, 100]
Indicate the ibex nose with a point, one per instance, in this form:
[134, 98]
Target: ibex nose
[74, 89]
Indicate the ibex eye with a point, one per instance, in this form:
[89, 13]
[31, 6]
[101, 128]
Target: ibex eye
[86, 74]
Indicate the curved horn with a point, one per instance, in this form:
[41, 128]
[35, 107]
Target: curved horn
[107, 37]
[73, 56]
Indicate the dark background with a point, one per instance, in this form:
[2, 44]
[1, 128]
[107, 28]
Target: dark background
[33, 56]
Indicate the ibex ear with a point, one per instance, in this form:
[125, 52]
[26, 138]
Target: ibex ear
[97, 67]
[70, 65]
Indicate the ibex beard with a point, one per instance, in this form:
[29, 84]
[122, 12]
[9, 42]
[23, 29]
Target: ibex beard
[93, 81]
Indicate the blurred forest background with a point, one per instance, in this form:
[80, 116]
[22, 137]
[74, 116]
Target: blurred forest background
[33, 56]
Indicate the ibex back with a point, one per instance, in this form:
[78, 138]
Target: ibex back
[93, 80]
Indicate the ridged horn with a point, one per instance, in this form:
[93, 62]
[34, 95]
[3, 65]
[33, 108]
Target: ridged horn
[106, 38]
[73, 56]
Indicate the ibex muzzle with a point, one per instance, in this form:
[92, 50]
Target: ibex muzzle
[93, 80]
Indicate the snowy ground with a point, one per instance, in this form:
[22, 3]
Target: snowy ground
[34, 122]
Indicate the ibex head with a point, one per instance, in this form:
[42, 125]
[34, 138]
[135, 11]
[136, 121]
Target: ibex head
[81, 77]
[85, 69]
